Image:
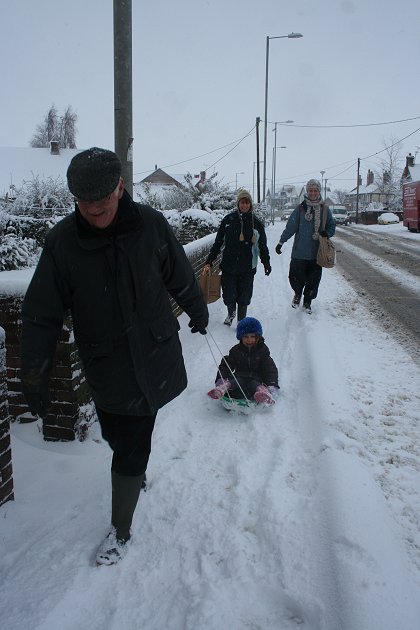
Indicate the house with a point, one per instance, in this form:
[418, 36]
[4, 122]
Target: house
[371, 195]
[20, 164]
[160, 178]
[411, 172]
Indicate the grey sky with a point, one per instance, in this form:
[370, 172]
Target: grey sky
[199, 76]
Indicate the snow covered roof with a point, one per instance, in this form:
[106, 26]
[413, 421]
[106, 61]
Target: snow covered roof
[23, 163]
[414, 172]
[365, 190]
[159, 177]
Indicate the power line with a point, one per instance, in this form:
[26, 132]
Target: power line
[233, 148]
[391, 145]
[389, 122]
[204, 154]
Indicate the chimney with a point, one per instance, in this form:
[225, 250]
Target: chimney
[155, 167]
[54, 147]
[409, 160]
[370, 177]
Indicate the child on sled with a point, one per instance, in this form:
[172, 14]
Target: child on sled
[255, 375]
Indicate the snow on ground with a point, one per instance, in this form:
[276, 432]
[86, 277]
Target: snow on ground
[306, 515]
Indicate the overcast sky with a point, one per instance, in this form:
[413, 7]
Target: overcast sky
[199, 79]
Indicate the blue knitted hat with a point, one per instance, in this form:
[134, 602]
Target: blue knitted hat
[247, 326]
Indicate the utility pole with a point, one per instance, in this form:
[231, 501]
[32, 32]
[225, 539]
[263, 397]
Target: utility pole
[257, 129]
[123, 89]
[357, 191]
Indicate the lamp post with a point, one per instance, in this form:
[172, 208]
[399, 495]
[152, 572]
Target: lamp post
[273, 185]
[322, 180]
[289, 36]
[273, 182]
[236, 179]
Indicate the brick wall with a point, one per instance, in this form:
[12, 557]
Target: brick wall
[68, 387]
[6, 476]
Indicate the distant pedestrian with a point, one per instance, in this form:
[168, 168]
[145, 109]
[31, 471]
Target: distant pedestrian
[113, 263]
[304, 224]
[242, 236]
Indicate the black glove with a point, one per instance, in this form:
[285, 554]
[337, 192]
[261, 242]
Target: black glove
[38, 403]
[278, 248]
[323, 233]
[198, 326]
[267, 270]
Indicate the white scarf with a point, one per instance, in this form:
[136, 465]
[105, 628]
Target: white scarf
[313, 211]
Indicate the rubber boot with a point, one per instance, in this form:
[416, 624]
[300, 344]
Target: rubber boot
[231, 315]
[125, 494]
[241, 312]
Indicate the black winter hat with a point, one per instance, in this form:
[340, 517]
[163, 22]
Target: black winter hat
[247, 326]
[93, 174]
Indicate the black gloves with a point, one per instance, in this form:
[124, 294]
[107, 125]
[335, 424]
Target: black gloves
[199, 326]
[278, 248]
[267, 270]
[323, 233]
[38, 403]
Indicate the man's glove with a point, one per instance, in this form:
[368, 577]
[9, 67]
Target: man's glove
[198, 326]
[278, 248]
[38, 403]
[267, 270]
[323, 233]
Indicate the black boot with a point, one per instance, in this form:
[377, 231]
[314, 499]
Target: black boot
[241, 312]
[230, 316]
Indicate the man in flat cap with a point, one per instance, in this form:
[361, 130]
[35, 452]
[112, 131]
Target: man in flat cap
[112, 262]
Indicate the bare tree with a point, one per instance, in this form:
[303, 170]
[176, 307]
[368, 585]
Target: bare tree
[340, 195]
[68, 129]
[55, 127]
[388, 174]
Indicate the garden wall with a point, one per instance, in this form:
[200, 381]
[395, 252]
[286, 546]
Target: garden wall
[6, 477]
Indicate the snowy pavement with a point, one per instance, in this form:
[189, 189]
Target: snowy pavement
[303, 516]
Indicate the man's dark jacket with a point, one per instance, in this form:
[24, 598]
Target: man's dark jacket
[115, 283]
[253, 363]
[240, 256]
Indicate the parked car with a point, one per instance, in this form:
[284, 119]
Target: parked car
[388, 217]
[340, 214]
[285, 216]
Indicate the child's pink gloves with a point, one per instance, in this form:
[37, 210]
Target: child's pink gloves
[222, 386]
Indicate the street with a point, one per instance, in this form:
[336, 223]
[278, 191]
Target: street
[385, 269]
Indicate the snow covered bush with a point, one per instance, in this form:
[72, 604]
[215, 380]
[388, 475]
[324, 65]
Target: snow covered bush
[191, 224]
[39, 197]
[24, 222]
[16, 253]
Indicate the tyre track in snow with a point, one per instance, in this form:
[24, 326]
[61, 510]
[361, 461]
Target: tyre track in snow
[394, 303]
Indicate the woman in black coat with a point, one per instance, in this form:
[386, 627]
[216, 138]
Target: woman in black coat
[242, 236]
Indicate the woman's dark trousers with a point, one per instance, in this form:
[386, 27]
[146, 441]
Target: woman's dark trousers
[304, 278]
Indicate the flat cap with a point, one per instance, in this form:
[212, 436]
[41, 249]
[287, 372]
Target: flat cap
[93, 174]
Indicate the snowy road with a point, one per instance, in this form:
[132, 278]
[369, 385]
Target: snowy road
[304, 516]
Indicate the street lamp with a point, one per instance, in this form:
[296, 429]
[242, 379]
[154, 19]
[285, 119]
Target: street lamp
[236, 179]
[273, 182]
[322, 180]
[289, 36]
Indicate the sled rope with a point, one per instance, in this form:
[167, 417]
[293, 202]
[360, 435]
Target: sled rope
[228, 366]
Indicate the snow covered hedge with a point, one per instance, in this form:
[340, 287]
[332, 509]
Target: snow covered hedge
[24, 222]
